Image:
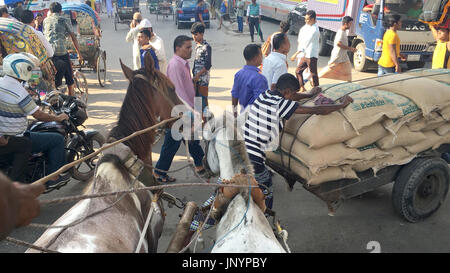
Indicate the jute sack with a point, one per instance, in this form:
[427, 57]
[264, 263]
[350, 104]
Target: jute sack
[393, 125]
[322, 130]
[433, 140]
[404, 137]
[396, 156]
[427, 94]
[443, 130]
[445, 113]
[292, 124]
[441, 75]
[319, 159]
[328, 174]
[367, 136]
[369, 105]
[433, 121]
[372, 152]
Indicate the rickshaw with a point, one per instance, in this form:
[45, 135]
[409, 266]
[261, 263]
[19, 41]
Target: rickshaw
[124, 11]
[165, 9]
[88, 36]
[153, 5]
[17, 37]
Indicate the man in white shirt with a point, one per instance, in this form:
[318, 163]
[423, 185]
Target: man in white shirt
[28, 19]
[339, 66]
[158, 45]
[308, 49]
[275, 64]
[135, 28]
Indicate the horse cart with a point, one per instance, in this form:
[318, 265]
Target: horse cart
[124, 11]
[88, 36]
[420, 187]
[152, 5]
[165, 9]
[417, 166]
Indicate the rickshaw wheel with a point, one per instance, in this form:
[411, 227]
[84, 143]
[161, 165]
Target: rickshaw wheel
[101, 68]
[81, 85]
[116, 20]
[420, 188]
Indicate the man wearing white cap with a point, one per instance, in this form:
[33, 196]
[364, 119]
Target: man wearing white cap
[155, 41]
[158, 45]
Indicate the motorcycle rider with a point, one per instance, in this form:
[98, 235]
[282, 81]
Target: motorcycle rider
[15, 105]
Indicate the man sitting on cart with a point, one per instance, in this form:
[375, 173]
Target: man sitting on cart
[56, 28]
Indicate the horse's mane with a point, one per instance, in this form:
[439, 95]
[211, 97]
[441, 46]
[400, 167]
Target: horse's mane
[137, 113]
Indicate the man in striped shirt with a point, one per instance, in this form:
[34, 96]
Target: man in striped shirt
[264, 122]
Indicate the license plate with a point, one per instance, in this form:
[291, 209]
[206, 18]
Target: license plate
[413, 58]
[192, 19]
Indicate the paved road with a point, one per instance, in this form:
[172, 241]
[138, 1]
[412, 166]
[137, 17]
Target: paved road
[359, 221]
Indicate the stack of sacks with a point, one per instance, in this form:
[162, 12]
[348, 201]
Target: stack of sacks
[389, 123]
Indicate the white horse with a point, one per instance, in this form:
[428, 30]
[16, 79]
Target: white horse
[243, 227]
[119, 226]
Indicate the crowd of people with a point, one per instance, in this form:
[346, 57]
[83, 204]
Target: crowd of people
[263, 84]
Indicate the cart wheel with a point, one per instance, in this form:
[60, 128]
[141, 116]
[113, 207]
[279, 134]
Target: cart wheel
[420, 188]
[101, 68]
[116, 20]
[81, 90]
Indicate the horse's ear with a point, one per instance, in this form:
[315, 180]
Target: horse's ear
[149, 63]
[126, 70]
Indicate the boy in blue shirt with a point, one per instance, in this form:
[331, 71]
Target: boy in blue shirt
[144, 43]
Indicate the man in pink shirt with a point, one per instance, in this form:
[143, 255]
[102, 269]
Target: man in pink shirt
[179, 73]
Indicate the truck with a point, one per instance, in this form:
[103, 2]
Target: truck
[366, 35]
[276, 9]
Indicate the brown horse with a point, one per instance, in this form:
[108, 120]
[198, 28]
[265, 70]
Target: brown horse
[119, 226]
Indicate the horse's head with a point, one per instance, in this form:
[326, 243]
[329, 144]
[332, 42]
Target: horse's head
[165, 97]
[150, 94]
[226, 141]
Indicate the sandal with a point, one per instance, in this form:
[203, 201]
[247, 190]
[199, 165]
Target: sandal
[165, 179]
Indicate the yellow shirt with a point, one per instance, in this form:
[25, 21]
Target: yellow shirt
[390, 37]
[439, 56]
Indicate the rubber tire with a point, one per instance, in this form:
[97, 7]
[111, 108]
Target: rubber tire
[360, 53]
[103, 76]
[414, 65]
[116, 21]
[408, 183]
[324, 48]
[87, 175]
[80, 83]
[180, 25]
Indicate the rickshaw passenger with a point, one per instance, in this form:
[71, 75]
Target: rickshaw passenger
[28, 19]
[56, 28]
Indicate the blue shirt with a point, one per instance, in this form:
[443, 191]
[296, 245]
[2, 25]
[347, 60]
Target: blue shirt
[152, 52]
[223, 8]
[248, 85]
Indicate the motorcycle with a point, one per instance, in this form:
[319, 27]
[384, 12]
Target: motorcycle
[78, 143]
